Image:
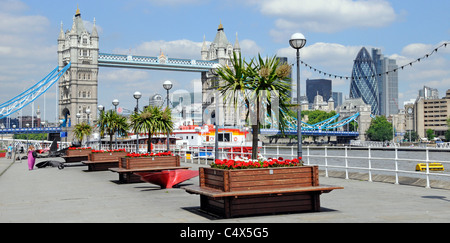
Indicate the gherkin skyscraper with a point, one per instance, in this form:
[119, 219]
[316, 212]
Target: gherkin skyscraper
[364, 82]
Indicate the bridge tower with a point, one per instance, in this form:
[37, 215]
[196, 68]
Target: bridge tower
[220, 50]
[78, 86]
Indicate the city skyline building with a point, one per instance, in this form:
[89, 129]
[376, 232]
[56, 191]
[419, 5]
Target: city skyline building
[364, 83]
[387, 83]
[428, 93]
[337, 97]
[321, 87]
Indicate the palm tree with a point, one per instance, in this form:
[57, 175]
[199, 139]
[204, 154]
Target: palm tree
[81, 130]
[256, 83]
[110, 122]
[152, 120]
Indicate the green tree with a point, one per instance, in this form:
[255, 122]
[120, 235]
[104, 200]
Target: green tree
[110, 122]
[152, 120]
[430, 134]
[380, 129]
[257, 83]
[81, 130]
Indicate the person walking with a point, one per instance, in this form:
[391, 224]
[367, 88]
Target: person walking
[10, 149]
[31, 157]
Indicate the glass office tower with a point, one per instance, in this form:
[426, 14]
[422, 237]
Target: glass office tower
[364, 82]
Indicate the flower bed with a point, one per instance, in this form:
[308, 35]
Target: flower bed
[256, 164]
[137, 155]
[107, 155]
[149, 160]
[72, 151]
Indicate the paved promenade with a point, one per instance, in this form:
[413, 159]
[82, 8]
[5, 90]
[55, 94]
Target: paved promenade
[75, 195]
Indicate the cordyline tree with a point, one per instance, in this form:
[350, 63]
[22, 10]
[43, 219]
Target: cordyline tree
[81, 130]
[110, 122]
[152, 120]
[260, 84]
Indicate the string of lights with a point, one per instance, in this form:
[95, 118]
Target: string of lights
[435, 50]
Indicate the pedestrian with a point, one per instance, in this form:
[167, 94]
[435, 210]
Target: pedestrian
[10, 149]
[31, 157]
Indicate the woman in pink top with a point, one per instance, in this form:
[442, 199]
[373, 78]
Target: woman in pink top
[31, 159]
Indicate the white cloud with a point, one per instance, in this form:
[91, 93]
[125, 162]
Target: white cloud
[327, 16]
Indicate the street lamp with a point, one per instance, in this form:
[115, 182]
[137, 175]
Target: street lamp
[297, 42]
[167, 85]
[78, 118]
[137, 95]
[27, 125]
[43, 128]
[61, 121]
[14, 143]
[88, 112]
[100, 108]
[115, 103]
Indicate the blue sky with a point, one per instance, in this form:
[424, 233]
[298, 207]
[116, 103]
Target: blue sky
[335, 31]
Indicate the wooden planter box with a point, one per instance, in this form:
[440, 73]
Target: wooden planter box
[112, 156]
[259, 179]
[235, 193]
[149, 162]
[78, 152]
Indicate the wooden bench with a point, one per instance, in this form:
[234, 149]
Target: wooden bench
[244, 192]
[100, 165]
[258, 202]
[129, 176]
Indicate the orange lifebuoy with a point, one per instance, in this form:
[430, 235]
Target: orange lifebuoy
[235, 139]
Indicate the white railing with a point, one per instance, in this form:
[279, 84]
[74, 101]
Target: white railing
[396, 161]
[371, 160]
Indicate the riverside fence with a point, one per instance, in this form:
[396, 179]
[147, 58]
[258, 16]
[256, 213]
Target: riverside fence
[394, 161]
[398, 161]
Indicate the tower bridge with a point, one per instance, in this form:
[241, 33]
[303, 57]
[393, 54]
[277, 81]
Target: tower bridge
[155, 63]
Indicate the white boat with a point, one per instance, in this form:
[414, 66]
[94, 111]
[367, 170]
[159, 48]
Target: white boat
[200, 141]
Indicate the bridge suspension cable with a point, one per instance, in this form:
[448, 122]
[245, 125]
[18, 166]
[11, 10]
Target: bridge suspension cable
[20, 101]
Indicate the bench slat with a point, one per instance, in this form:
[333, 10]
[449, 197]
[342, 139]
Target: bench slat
[211, 192]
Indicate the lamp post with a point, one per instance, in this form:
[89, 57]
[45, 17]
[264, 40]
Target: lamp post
[297, 42]
[43, 128]
[14, 143]
[61, 121]
[137, 95]
[27, 125]
[78, 118]
[167, 85]
[100, 109]
[115, 103]
[88, 112]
